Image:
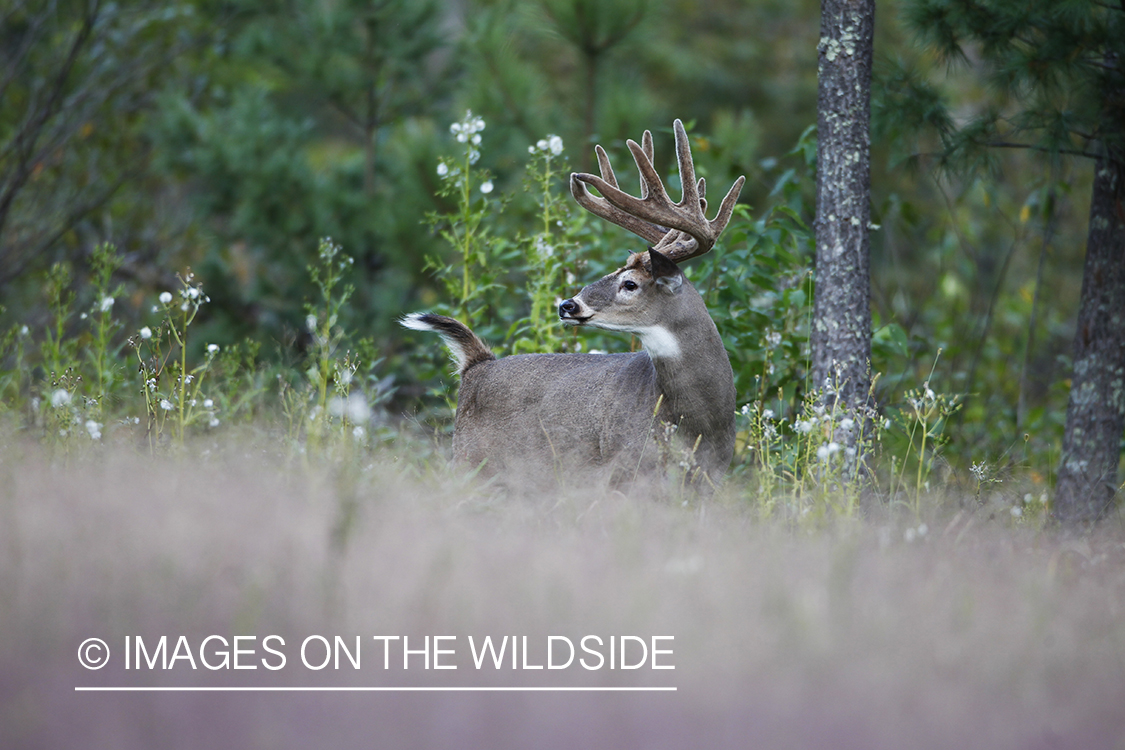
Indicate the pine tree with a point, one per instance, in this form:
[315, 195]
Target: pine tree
[1057, 70]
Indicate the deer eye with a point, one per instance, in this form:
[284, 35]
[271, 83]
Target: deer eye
[628, 285]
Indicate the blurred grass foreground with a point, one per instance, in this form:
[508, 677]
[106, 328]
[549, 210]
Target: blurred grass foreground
[876, 633]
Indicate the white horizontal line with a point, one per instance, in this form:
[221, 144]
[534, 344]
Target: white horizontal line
[289, 689]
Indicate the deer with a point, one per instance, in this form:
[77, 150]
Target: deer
[585, 415]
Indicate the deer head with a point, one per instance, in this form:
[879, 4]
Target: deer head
[635, 298]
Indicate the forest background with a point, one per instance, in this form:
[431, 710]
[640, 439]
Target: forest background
[231, 138]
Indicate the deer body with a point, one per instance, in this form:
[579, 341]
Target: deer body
[540, 417]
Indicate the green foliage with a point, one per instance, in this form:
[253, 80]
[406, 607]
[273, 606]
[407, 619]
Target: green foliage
[550, 252]
[75, 89]
[1047, 64]
[471, 279]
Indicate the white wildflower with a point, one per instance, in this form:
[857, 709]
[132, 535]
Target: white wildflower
[486, 187]
[146, 333]
[357, 409]
[23, 330]
[208, 403]
[214, 422]
[106, 304]
[442, 169]
[555, 144]
[60, 398]
[359, 433]
[767, 414]
[94, 429]
[212, 348]
[165, 404]
[1017, 511]
[822, 453]
[475, 140]
[310, 323]
[165, 298]
[541, 144]
[846, 424]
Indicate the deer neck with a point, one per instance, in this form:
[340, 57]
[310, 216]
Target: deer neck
[692, 371]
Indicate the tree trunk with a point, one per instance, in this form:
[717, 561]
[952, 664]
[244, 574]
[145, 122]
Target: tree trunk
[841, 326]
[1095, 414]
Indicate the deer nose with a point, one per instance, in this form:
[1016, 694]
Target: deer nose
[569, 307]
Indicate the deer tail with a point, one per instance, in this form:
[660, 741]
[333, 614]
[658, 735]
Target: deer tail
[465, 346]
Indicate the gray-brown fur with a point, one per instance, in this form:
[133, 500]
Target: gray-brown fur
[541, 418]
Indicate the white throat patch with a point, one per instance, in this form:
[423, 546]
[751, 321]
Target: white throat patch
[659, 342]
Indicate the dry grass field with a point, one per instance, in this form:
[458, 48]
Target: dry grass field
[980, 633]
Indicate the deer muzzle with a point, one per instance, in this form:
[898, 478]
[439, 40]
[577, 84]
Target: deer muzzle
[573, 313]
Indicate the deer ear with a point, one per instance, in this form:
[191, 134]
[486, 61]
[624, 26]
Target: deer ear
[665, 272]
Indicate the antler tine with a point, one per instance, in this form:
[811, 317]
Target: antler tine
[690, 200]
[604, 166]
[680, 230]
[646, 147]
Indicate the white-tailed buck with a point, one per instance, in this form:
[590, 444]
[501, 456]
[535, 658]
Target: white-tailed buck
[538, 417]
